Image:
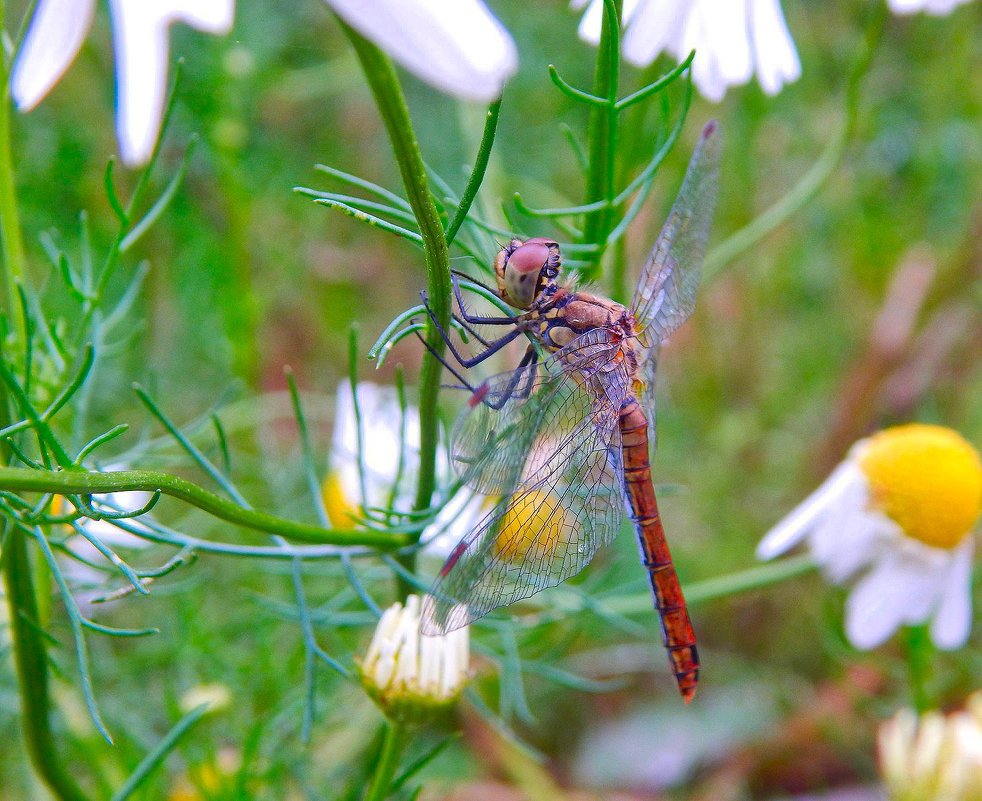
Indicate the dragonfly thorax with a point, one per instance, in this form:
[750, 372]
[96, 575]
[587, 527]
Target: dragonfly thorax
[527, 270]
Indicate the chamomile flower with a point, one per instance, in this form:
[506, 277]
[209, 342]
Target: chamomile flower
[936, 7]
[412, 677]
[933, 757]
[900, 510]
[387, 438]
[457, 46]
[140, 42]
[733, 39]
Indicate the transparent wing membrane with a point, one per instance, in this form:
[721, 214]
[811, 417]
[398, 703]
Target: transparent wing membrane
[506, 434]
[554, 456]
[666, 292]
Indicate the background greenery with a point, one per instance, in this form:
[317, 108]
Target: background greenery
[781, 369]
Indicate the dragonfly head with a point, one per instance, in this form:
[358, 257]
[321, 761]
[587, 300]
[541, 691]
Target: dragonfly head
[527, 269]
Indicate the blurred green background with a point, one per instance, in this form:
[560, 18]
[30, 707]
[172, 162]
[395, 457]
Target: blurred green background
[861, 311]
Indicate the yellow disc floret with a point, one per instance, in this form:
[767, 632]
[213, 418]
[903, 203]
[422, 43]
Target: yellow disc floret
[928, 479]
[534, 527]
[340, 510]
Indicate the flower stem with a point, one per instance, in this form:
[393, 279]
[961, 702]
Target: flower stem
[752, 578]
[477, 174]
[32, 668]
[387, 91]
[396, 737]
[10, 234]
[82, 482]
[919, 651]
[603, 134]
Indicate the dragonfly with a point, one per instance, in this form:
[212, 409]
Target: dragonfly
[563, 440]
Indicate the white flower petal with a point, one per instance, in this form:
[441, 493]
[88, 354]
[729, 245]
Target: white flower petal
[654, 28]
[896, 591]
[590, 24]
[935, 7]
[722, 31]
[775, 55]
[796, 525]
[953, 619]
[849, 536]
[53, 39]
[591, 21]
[382, 430]
[458, 47]
[140, 40]
[731, 38]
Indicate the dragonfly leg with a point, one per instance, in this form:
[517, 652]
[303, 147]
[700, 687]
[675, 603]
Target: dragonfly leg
[490, 348]
[450, 368]
[525, 372]
[470, 329]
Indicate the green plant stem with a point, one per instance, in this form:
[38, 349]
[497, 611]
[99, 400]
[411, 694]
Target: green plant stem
[160, 752]
[812, 181]
[82, 482]
[477, 174]
[391, 102]
[602, 145]
[711, 589]
[14, 262]
[32, 669]
[919, 651]
[396, 737]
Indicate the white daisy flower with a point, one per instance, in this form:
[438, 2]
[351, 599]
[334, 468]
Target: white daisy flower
[458, 46]
[936, 7]
[733, 39]
[933, 757]
[412, 676]
[381, 434]
[140, 31]
[901, 507]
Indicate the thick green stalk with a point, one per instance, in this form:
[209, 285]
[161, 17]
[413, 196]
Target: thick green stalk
[82, 482]
[919, 653]
[30, 657]
[32, 669]
[602, 146]
[10, 235]
[385, 86]
[396, 737]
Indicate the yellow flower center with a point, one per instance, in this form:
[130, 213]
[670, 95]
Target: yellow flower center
[927, 479]
[535, 527]
[340, 510]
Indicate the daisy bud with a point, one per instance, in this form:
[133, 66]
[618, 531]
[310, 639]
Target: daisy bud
[414, 678]
[933, 757]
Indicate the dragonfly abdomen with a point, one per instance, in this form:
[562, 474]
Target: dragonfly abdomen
[677, 633]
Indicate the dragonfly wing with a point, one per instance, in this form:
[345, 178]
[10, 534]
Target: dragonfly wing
[566, 503]
[499, 440]
[648, 369]
[666, 292]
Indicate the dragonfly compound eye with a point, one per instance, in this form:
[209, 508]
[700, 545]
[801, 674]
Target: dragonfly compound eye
[522, 272]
